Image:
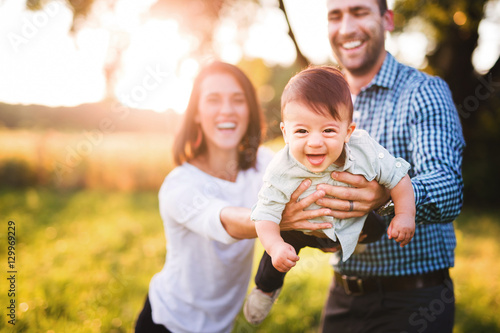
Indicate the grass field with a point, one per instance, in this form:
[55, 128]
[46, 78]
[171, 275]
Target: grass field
[84, 260]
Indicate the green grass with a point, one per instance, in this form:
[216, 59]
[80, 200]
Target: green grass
[84, 260]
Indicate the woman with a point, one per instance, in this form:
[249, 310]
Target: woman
[205, 205]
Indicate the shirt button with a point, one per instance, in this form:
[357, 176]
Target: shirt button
[381, 155]
[398, 164]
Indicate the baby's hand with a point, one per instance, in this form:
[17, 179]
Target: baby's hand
[402, 228]
[283, 256]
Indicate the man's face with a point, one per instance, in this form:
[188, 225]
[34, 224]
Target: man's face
[356, 30]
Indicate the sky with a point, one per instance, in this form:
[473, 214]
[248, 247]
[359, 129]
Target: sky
[42, 63]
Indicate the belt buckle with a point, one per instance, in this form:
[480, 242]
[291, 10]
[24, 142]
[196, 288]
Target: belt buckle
[359, 282]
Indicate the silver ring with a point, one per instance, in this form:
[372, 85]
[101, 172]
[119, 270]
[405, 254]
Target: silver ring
[351, 206]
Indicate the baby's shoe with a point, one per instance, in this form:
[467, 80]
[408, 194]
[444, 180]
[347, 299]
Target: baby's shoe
[258, 305]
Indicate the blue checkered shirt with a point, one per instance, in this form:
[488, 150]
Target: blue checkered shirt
[413, 116]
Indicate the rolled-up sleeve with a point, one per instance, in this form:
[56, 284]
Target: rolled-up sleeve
[270, 205]
[389, 169]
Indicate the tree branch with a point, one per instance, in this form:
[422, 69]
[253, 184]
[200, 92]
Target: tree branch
[300, 60]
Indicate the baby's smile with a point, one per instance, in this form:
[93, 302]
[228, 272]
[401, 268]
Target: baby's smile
[316, 159]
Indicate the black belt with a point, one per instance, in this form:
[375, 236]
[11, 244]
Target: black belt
[354, 285]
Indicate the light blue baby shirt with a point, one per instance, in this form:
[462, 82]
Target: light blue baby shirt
[364, 156]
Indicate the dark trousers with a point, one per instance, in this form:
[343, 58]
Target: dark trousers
[269, 278]
[145, 322]
[423, 310]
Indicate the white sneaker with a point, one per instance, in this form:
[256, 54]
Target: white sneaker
[258, 305]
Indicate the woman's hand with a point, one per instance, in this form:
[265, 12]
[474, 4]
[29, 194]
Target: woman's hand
[364, 195]
[295, 217]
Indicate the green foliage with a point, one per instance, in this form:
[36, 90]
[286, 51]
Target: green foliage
[439, 14]
[85, 259]
[269, 82]
[80, 8]
[452, 30]
[16, 173]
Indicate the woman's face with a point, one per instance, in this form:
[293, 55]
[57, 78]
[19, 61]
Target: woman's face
[222, 112]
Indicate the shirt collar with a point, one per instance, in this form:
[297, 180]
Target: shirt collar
[386, 76]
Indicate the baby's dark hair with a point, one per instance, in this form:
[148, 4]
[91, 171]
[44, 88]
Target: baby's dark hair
[323, 89]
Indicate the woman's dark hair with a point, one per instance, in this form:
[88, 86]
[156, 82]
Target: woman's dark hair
[322, 88]
[185, 148]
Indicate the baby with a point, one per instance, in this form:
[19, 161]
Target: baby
[320, 137]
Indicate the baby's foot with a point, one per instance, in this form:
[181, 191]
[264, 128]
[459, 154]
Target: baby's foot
[258, 305]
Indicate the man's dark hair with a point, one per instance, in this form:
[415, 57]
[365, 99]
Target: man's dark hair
[382, 5]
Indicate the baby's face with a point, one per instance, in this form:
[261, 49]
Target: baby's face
[315, 140]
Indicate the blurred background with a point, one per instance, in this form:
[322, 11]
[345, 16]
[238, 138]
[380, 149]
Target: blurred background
[92, 92]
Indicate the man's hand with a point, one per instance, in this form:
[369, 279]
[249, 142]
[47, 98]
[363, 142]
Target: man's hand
[295, 217]
[365, 196]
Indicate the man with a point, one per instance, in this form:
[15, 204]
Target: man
[387, 288]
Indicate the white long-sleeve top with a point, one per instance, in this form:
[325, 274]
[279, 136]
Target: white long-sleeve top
[205, 277]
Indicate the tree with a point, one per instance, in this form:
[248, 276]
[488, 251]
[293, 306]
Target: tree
[80, 8]
[453, 27]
